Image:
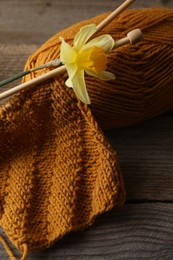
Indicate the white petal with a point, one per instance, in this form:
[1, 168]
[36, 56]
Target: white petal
[106, 42]
[79, 87]
[67, 54]
[103, 75]
[83, 36]
[71, 70]
[69, 83]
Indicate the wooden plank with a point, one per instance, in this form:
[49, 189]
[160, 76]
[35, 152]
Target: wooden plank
[135, 231]
[145, 152]
[13, 59]
[34, 22]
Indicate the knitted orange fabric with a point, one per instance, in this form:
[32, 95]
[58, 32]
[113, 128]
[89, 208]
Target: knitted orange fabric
[58, 172]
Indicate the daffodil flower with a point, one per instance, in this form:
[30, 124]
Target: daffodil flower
[86, 57]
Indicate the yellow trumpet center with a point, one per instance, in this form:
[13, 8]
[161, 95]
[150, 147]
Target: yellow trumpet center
[93, 59]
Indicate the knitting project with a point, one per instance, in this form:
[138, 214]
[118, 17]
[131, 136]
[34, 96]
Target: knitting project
[58, 171]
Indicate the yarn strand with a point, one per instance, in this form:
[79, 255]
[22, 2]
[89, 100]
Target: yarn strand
[7, 248]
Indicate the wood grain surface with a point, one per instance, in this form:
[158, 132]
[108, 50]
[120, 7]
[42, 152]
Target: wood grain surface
[143, 227]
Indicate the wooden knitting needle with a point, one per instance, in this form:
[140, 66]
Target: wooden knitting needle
[132, 37]
[56, 63]
[61, 69]
[37, 80]
[113, 15]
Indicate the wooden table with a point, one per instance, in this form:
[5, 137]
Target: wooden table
[143, 227]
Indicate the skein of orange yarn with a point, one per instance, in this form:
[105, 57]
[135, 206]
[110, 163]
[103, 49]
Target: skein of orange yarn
[144, 85]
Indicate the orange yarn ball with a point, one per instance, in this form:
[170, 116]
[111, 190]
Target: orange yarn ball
[143, 87]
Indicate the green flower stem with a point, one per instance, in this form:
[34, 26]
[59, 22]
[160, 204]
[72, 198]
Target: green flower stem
[53, 63]
[17, 76]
